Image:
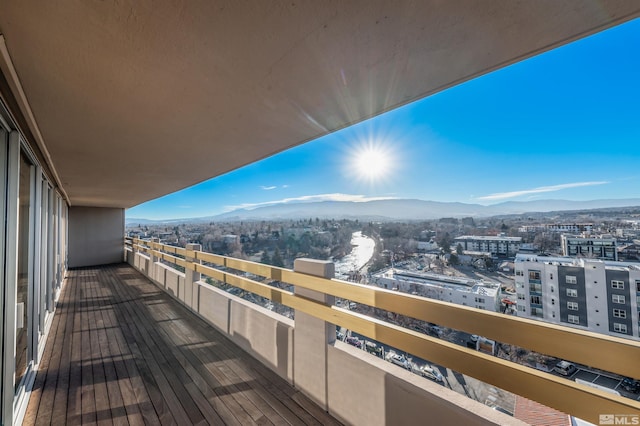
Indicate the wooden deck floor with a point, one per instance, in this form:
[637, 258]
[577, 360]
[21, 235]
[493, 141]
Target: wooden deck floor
[121, 351]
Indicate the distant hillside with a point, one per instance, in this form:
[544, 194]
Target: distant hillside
[400, 209]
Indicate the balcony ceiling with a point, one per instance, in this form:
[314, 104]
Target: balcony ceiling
[135, 100]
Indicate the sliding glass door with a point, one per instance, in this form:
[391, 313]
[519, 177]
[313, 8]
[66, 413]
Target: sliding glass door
[25, 270]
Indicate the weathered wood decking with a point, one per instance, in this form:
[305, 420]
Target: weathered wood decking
[121, 351]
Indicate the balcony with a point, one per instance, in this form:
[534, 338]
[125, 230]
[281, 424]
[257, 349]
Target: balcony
[122, 350]
[346, 382]
[159, 98]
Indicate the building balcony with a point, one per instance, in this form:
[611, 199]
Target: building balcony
[104, 106]
[205, 355]
[121, 350]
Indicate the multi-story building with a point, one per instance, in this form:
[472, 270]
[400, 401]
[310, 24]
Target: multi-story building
[572, 228]
[590, 247]
[498, 245]
[462, 291]
[630, 252]
[595, 295]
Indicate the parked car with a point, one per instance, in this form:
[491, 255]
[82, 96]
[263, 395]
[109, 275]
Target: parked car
[353, 341]
[502, 410]
[399, 360]
[434, 330]
[630, 385]
[565, 368]
[374, 349]
[431, 373]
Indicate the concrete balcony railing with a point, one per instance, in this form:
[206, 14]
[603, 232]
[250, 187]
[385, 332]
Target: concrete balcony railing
[361, 389]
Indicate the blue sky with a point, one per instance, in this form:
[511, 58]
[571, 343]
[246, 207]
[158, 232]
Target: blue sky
[561, 125]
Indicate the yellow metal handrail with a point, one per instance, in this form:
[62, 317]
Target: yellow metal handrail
[596, 350]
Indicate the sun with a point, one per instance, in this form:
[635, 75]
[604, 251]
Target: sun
[371, 162]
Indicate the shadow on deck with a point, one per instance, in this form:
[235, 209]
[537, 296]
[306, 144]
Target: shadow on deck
[121, 351]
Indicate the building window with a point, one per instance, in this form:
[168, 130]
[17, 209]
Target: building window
[534, 275]
[519, 273]
[572, 306]
[479, 300]
[550, 275]
[638, 286]
[537, 312]
[521, 308]
[619, 328]
[536, 300]
[619, 313]
[617, 284]
[574, 319]
[617, 298]
[521, 296]
[570, 279]
[572, 292]
[536, 288]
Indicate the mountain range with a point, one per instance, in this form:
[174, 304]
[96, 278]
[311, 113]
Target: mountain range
[397, 209]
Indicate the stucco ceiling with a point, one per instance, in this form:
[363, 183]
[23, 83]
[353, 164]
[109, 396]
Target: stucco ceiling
[135, 100]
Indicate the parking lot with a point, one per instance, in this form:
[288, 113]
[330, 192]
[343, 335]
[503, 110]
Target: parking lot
[602, 381]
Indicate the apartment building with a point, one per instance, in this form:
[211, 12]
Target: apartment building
[499, 245]
[597, 247]
[462, 291]
[572, 228]
[595, 295]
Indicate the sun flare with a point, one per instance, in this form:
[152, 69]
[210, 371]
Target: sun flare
[371, 162]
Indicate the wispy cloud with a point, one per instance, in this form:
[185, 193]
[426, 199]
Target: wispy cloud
[268, 188]
[309, 199]
[553, 188]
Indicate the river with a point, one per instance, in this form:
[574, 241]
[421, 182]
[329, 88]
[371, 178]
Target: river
[362, 251]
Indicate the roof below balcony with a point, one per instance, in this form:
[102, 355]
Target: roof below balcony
[135, 100]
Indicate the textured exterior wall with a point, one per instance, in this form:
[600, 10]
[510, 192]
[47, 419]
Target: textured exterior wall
[96, 236]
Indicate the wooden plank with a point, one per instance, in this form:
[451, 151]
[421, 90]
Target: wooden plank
[153, 407]
[115, 409]
[265, 382]
[116, 371]
[151, 373]
[74, 404]
[101, 399]
[59, 414]
[143, 358]
[87, 398]
[173, 382]
[43, 392]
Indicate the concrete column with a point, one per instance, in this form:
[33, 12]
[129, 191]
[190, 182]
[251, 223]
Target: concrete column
[152, 272]
[312, 336]
[189, 296]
